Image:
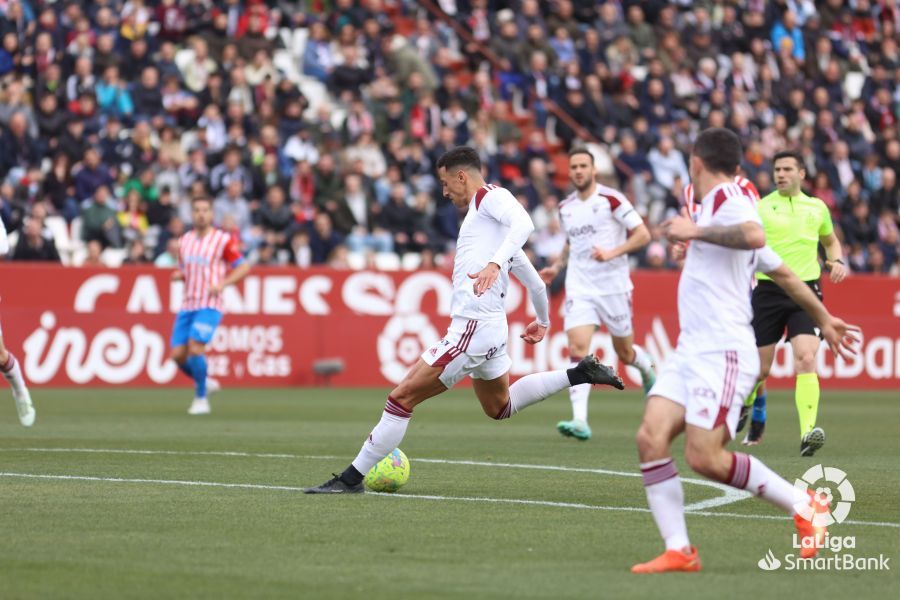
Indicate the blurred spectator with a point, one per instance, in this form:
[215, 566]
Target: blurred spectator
[322, 239]
[173, 99]
[33, 246]
[137, 254]
[99, 220]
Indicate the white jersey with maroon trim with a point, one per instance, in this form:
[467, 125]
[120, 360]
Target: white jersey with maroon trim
[745, 184]
[204, 261]
[604, 220]
[714, 290]
[494, 214]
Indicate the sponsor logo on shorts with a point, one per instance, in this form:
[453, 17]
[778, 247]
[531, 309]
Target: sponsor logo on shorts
[701, 392]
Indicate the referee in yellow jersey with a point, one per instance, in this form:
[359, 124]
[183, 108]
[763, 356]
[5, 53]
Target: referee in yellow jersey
[795, 225]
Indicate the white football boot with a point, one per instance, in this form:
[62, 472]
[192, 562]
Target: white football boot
[24, 407]
[200, 406]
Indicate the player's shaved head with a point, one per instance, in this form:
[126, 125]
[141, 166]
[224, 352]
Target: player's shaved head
[461, 157]
[720, 150]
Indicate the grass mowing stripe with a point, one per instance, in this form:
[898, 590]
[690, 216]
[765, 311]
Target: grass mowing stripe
[257, 486]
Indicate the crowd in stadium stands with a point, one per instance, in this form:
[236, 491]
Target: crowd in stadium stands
[315, 125]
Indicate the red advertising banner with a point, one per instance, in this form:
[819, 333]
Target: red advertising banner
[84, 326]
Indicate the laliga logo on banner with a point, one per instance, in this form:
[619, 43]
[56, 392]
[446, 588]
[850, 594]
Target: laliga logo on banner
[113, 355]
[401, 342]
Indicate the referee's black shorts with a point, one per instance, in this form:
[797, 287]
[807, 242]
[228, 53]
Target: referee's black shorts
[774, 311]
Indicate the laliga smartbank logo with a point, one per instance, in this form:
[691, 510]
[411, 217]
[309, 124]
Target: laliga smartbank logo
[821, 480]
[830, 497]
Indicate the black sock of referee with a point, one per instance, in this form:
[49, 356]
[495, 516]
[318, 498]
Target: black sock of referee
[351, 476]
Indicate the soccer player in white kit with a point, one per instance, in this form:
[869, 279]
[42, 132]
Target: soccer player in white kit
[488, 249]
[602, 229]
[701, 386]
[9, 366]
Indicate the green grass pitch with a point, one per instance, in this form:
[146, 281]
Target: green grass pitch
[83, 534]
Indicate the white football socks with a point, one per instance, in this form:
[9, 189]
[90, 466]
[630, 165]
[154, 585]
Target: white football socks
[642, 361]
[749, 473]
[533, 388]
[13, 373]
[386, 436]
[666, 499]
[578, 395]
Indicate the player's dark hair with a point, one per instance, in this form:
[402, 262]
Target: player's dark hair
[201, 198]
[790, 154]
[585, 151]
[461, 157]
[719, 149]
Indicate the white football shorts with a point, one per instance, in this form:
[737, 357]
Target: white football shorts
[612, 310]
[473, 348]
[711, 386]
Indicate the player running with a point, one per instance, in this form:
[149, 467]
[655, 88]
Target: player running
[701, 387]
[488, 249]
[204, 255]
[602, 229]
[794, 224]
[757, 399]
[9, 366]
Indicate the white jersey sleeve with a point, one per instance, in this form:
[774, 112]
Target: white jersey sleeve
[767, 260]
[734, 212]
[525, 272]
[625, 214]
[4, 241]
[506, 210]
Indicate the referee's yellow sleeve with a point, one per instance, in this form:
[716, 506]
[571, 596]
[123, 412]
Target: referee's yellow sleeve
[827, 227]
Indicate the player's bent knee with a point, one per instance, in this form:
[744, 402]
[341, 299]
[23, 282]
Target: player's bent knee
[196, 348]
[179, 354]
[649, 443]
[698, 460]
[805, 363]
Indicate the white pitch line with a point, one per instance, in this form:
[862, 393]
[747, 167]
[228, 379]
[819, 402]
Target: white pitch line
[166, 452]
[255, 486]
[729, 494]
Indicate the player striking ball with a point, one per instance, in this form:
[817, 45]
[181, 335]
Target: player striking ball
[9, 366]
[489, 247]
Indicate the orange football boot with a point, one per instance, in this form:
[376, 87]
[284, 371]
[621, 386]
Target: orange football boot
[806, 529]
[671, 560]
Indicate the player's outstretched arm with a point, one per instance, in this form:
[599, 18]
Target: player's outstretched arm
[548, 274]
[637, 239]
[747, 235]
[526, 273]
[841, 337]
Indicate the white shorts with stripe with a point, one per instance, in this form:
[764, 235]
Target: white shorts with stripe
[473, 348]
[612, 310]
[711, 386]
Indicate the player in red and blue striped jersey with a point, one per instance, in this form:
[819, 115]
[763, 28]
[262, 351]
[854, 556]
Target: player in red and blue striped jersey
[209, 260]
